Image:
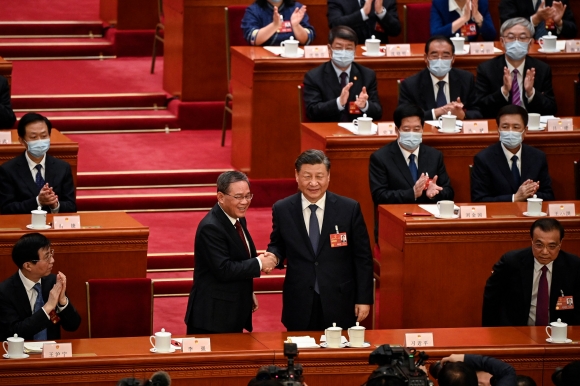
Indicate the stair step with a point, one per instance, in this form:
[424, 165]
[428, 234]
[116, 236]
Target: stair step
[136, 202]
[148, 177]
[146, 190]
[51, 28]
[89, 101]
[30, 48]
[271, 283]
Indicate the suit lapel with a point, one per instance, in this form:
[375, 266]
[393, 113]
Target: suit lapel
[426, 91]
[401, 163]
[331, 79]
[503, 167]
[527, 277]
[558, 270]
[49, 170]
[355, 78]
[298, 218]
[329, 220]
[230, 229]
[21, 298]
[26, 175]
[526, 164]
[454, 86]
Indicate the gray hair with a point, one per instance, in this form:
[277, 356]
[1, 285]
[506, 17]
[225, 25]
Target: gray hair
[312, 157]
[517, 21]
[227, 178]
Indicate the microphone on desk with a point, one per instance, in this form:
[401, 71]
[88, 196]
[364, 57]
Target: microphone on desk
[160, 378]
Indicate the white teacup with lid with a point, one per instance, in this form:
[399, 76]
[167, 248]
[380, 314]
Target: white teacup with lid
[559, 331]
[458, 42]
[14, 347]
[356, 335]
[290, 47]
[534, 206]
[162, 341]
[364, 124]
[333, 336]
[373, 46]
[447, 122]
[548, 42]
[38, 219]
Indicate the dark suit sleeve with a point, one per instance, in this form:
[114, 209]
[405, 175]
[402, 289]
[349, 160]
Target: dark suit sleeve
[508, 9]
[407, 97]
[503, 374]
[494, 293]
[8, 205]
[545, 191]
[67, 195]
[7, 117]
[472, 111]
[336, 16]
[375, 109]
[442, 181]
[390, 22]
[437, 21]
[11, 323]
[317, 109]
[277, 244]
[381, 190]
[487, 30]
[489, 98]
[569, 28]
[70, 320]
[544, 101]
[363, 260]
[481, 179]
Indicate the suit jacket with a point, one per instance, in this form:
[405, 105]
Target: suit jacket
[322, 87]
[221, 296]
[492, 180]
[503, 374]
[16, 315]
[18, 191]
[7, 117]
[347, 12]
[489, 81]
[345, 274]
[442, 19]
[524, 8]
[418, 90]
[508, 291]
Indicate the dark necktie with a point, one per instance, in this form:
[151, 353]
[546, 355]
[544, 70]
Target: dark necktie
[314, 236]
[344, 115]
[516, 95]
[441, 100]
[241, 234]
[39, 179]
[413, 167]
[543, 300]
[515, 171]
[37, 306]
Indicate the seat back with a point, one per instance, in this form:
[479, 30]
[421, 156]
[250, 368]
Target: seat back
[234, 36]
[420, 14]
[577, 179]
[120, 307]
[160, 12]
[301, 106]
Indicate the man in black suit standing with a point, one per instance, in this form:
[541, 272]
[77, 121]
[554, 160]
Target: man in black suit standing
[530, 286]
[453, 90]
[510, 170]
[557, 13]
[328, 280]
[515, 78]
[341, 90]
[7, 117]
[35, 178]
[367, 18]
[222, 297]
[33, 301]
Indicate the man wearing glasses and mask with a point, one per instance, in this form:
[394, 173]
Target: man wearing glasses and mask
[515, 78]
[532, 286]
[33, 301]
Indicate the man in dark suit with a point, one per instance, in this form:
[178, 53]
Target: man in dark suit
[7, 117]
[515, 78]
[33, 301]
[327, 280]
[222, 298]
[35, 178]
[530, 286]
[510, 170]
[538, 12]
[340, 90]
[367, 18]
[470, 369]
[452, 89]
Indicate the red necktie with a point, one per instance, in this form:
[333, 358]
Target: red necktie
[241, 233]
[543, 300]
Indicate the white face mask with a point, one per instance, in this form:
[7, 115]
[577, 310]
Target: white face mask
[410, 140]
[342, 58]
[440, 67]
[510, 139]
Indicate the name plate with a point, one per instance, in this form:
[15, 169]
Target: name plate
[5, 137]
[475, 127]
[560, 124]
[57, 350]
[67, 222]
[573, 46]
[195, 345]
[561, 210]
[387, 128]
[473, 211]
[481, 48]
[316, 52]
[424, 339]
[398, 50]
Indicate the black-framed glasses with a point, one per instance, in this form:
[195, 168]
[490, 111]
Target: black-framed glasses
[239, 197]
[540, 247]
[48, 255]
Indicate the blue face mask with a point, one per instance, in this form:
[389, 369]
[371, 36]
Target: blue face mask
[510, 139]
[38, 148]
[440, 67]
[410, 140]
[342, 58]
[516, 50]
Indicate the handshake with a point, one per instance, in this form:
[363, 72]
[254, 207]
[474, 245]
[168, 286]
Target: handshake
[269, 261]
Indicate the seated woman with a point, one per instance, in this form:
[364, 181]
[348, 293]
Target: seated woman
[448, 17]
[270, 22]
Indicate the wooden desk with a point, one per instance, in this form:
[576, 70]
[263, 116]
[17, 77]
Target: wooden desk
[349, 156]
[61, 147]
[110, 245]
[266, 124]
[433, 272]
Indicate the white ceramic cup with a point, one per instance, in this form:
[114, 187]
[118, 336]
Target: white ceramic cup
[533, 121]
[447, 122]
[333, 335]
[162, 341]
[559, 331]
[38, 218]
[356, 335]
[458, 42]
[14, 346]
[446, 208]
[364, 124]
[290, 47]
[373, 46]
[534, 205]
[548, 42]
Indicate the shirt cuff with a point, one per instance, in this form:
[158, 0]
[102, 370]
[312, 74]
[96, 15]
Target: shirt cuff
[260, 262]
[531, 21]
[507, 97]
[533, 94]
[382, 14]
[365, 109]
[513, 197]
[364, 15]
[59, 308]
[37, 202]
[340, 107]
[55, 210]
[433, 114]
[48, 316]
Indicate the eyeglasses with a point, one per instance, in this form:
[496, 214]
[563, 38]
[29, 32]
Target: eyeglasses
[239, 197]
[522, 38]
[540, 247]
[49, 255]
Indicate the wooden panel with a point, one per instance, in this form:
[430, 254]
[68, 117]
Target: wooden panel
[108, 11]
[129, 14]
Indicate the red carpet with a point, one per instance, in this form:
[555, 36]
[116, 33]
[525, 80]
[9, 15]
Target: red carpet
[49, 10]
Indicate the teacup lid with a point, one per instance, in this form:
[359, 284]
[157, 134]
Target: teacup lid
[549, 36]
[365, 118]
[357, 327]
[291, 40]
[334, 328]
[457, 37]
[38, 211]
[372, 39]
[558, 323]
[16, 338]
[535, 198]
[162, 333]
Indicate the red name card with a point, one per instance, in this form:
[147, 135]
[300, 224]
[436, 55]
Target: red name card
[57, 350]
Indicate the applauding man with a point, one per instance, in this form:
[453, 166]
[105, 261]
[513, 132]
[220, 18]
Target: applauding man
[545, 15]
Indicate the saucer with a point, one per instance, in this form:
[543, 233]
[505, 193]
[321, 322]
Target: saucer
[291, 56]
[446, 217]
[549, 340]
[373, 55]
[541, 214]
[536, 129]
[29, 226]
[549, 52]
[24, 356]
[365, 344]
[457, 130]
[325, 345]
[154, 350]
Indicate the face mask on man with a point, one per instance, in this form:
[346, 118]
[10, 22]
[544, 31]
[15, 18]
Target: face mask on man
[516, 50]
[342, 58]
[39, 147]
[410, 140]
[510, 139]
[440, 67]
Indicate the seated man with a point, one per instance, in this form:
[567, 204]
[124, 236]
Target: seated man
[515, 78]
[530, 286]
[35, 178]
[378, 18]
[400, 172]
[469, 369]
[7, 117]
[557, 14]
[340, 90]
[510, 170]
[33, 301]
[453, 90]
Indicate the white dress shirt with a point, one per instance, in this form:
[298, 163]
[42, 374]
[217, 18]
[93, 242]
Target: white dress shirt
[319, 212]
[435, 80]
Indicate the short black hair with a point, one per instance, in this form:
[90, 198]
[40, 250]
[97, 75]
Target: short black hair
[547, 225]
[512, 110]
[439, 38]
[457, 374]
[406, 111]
[570, 374]
[264, 3]
[342, 32]
[312, 157]
[27, 247]
[524, 380]
[227, 178]
[29, 118]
